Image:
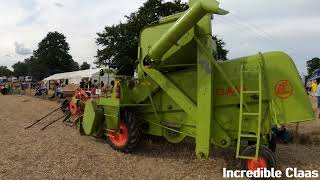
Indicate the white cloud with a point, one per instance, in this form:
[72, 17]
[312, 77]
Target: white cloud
[21, 49]
[60, 5]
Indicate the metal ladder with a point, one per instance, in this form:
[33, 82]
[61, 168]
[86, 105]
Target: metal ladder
[255, 114]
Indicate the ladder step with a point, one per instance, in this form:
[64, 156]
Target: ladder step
[251, 114]
[247, 157]
[250, 92]
[249, 135]
[256, 73]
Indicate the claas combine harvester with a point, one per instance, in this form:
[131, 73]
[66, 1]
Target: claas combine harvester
[183, 91]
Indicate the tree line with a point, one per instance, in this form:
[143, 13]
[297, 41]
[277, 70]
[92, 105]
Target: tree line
[51, 57]
[119, 44]
[312, 65]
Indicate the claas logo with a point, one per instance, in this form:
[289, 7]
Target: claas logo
[283, 89]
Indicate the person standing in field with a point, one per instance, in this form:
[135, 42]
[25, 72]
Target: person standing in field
[317, 94]
[314, 87]
[309, 86]
[102, 84]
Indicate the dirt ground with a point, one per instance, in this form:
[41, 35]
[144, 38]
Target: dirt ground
[61, 152]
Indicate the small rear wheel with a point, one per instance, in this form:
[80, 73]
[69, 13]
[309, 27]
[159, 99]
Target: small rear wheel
[265, 159]
[128, 136]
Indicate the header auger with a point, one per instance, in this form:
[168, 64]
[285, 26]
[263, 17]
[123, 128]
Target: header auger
[182, 90]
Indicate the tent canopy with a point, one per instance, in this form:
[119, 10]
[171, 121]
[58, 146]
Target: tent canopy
[74, 75]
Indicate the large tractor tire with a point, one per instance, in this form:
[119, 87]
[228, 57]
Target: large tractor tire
[129, 135]
[265, 159]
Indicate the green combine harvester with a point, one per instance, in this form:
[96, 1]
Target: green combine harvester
[183, 91]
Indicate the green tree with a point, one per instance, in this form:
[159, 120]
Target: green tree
[222, 52]
[51, 57]
[84, 66]
[119, 42]
[20, 69]
[53, 51]
[4, 71]
[312, 65]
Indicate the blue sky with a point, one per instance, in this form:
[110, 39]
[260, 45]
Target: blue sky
[292, 26]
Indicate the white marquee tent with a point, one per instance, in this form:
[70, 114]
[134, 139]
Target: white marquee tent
[76, 76]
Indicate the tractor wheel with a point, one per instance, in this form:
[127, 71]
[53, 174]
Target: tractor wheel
[73, 108]
[129, 135]
[265, 159]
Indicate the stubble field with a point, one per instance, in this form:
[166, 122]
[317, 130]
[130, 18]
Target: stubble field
[61, 152]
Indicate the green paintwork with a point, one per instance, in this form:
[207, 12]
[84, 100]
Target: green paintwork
[111, 112]
[92, 119]
[182, 90]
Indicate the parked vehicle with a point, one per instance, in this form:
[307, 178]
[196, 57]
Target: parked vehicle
[3, 79]
[21, 78]
[14, 79]
[28, 78]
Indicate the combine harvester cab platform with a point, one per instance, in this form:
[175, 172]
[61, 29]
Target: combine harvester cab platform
[183, 90]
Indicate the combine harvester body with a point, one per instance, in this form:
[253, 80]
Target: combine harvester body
[182, 90]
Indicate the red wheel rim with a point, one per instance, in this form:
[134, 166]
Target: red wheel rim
[255, 164]
[73, 108]
[119, 138]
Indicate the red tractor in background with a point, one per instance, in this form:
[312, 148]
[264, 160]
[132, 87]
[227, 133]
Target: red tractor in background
[74, 103]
